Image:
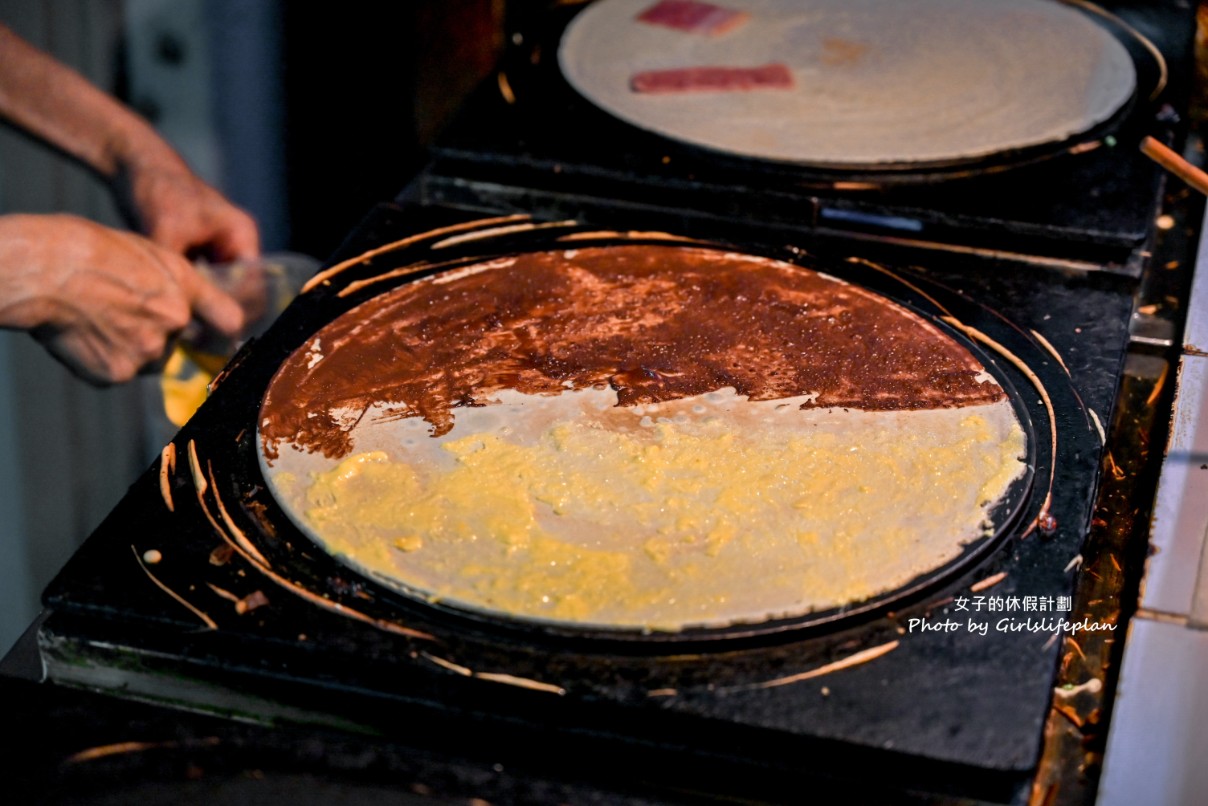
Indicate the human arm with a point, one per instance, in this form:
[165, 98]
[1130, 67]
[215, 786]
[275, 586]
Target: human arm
[153, 185]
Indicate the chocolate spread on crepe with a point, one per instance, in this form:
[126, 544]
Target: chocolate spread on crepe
[654, 323]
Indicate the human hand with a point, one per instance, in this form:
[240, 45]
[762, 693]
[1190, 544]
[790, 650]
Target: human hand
[174, 208]
[104, 302]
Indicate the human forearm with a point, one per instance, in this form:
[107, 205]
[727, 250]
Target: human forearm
[56, 104]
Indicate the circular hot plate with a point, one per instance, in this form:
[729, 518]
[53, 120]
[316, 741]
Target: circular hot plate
[852, 85]
[644, 438]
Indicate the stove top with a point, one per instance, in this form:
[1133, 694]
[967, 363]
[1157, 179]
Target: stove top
[948, 692]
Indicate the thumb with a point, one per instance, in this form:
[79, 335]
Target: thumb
[214, 306]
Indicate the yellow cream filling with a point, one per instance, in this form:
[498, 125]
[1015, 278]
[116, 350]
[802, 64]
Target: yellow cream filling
[704, 516]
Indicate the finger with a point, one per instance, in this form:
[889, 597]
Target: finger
[214, 306]
[224, 234]
[236, 238]
[99, 366]
[220, 232]
[156, 364]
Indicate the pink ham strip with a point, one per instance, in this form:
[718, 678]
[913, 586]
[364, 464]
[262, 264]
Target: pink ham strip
[693, 17]
[712, 79]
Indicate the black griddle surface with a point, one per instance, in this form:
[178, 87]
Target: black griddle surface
[952, 712]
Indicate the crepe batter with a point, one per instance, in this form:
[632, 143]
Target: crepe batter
[562, 437]
[873, 82]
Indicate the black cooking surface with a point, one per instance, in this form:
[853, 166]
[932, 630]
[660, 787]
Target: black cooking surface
[745, 714]
[527, 142]
[947, 711]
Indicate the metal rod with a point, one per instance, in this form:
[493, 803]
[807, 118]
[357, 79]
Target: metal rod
[1172, 162]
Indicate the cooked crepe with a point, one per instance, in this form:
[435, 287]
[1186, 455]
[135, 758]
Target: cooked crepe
[639, 437]
[875, 82]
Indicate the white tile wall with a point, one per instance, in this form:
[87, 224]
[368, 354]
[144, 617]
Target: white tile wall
[1181, 508]
[1157, 750]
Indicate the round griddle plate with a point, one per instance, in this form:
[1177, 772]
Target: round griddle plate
[1148, 66]
[1005, 517]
